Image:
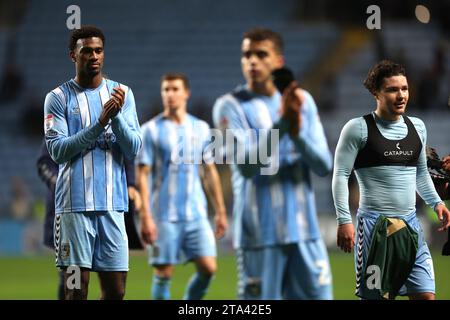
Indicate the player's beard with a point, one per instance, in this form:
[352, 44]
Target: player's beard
[91, 73]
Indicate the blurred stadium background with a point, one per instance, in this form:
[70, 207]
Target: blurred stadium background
[327, 45]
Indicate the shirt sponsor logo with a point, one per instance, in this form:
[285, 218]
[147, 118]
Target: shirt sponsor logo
[398, 152]
[104, 142]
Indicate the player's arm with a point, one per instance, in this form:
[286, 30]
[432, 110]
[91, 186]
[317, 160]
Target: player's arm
[60, 145]
[228, 116]
[125, 126]
[148, 227]
[308, 136]
[213, 189]
[144, 161]
[425, 186]
[346, 151]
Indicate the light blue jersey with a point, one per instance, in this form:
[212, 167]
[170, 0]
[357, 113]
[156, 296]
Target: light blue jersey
[91, 172]
[174, 153]
[280, 208]
[387, 190]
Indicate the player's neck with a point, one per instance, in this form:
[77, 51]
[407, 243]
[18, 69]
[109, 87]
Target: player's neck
[89, 82]
[386, 115]
[176, 115]
[266, 88]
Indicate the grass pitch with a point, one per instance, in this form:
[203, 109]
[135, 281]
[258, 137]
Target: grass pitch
[35, 277]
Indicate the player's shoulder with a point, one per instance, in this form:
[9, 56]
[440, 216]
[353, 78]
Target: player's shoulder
[355, 123]
[112, 84]
[153, 123]
[309, 104]
[61, 92]
[354, 128]
[60, 88]
[418, 124]
[235, 97]
[241, 94]
[307, 94]
[197, 122]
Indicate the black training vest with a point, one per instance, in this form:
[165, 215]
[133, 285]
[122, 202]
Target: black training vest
[380, 151]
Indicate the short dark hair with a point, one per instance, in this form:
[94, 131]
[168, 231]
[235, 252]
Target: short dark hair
[383, 69]
[87, 31]
[176, 76]
[261, 34]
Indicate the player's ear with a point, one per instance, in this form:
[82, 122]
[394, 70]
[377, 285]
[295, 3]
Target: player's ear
[280, 61]
[375, 94]
[72, 56]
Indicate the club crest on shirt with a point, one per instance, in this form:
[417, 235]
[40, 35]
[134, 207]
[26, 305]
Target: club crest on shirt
[65, 251]
[76, 110]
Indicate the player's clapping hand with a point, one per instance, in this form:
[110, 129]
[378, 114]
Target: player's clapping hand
[346, 237]
[221, 223]
[149, 232]
[112, 106]
[118, 96]
[444, 216]
[292, 101]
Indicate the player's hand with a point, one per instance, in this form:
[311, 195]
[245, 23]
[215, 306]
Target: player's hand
[118, 99]
[118, 96]
[346, 237]
[292, 101]
[149, 232]
[108, 111]
[446, 163]
[444, 216]
[221, 223]
[112, 106]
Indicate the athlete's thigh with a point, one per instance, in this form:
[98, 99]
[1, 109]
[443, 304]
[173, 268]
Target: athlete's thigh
[75, 234]
[308, 274]
[167, 248]
[274, 267]
[261, 271]
[421, 279]
[111, 248]
[112, 284]
[198, 240]
[364, 230]
[249, 266]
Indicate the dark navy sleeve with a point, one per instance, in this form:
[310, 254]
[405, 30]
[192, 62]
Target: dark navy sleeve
[130, 172]
[46, 167]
